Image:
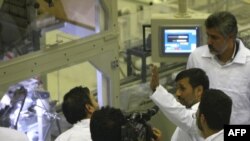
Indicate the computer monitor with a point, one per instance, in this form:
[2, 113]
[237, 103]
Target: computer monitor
[178, 40]
[174, 38]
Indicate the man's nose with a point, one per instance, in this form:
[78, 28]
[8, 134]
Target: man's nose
[178, 93]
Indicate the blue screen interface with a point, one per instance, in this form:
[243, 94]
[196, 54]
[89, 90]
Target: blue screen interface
[180, 40]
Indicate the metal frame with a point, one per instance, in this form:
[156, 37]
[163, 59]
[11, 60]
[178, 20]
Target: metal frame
[101, 50]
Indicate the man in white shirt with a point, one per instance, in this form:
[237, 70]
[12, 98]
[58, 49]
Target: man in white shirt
[191, 84]
[226, 61]
[78, 106]
[213, 113]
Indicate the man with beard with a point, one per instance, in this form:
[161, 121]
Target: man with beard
[226, 61]
[213, 113]
[191, 84]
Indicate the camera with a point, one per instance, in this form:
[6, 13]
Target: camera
[137, 128]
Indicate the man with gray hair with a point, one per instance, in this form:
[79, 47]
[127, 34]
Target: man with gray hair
[226, 61]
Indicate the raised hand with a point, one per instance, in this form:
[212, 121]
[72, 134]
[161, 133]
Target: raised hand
[154, 78]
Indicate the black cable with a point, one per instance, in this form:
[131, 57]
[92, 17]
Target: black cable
[22, 91]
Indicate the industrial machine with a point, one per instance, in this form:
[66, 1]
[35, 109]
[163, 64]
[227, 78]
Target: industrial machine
[31, 46]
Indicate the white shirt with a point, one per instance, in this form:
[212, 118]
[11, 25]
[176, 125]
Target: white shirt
[182, 117]
[232, 78]
[181, 135]
[219, 136]
[79, 132]
[8, 134]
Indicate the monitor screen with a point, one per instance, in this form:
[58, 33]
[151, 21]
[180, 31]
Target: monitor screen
[178, 40]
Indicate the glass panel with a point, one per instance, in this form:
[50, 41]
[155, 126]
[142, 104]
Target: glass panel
[30, 25]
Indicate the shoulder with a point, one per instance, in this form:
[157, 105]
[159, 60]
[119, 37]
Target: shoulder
[200, 50]
[74, 133]
[243, 47]
[12, 135]
[64, 135]
[197, 57]
[244, 52]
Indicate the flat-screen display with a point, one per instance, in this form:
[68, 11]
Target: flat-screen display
[178, 40]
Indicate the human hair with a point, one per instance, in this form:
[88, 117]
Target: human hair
[196, 77]
[224, 22]
[74, 102]
[106, 123]
[216, 107]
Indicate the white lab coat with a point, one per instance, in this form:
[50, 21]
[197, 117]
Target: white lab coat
[182, 117]
[7, 134]
[219, 136]
[232, 78]
[79, 132]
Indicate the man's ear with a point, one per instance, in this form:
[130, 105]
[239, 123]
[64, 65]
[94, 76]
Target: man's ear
[199, 91]
[90, 109]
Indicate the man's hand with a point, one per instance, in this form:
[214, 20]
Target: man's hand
[154, 78]
[157, 134]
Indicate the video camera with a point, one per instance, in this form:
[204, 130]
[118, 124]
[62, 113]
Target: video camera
[137, 128]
